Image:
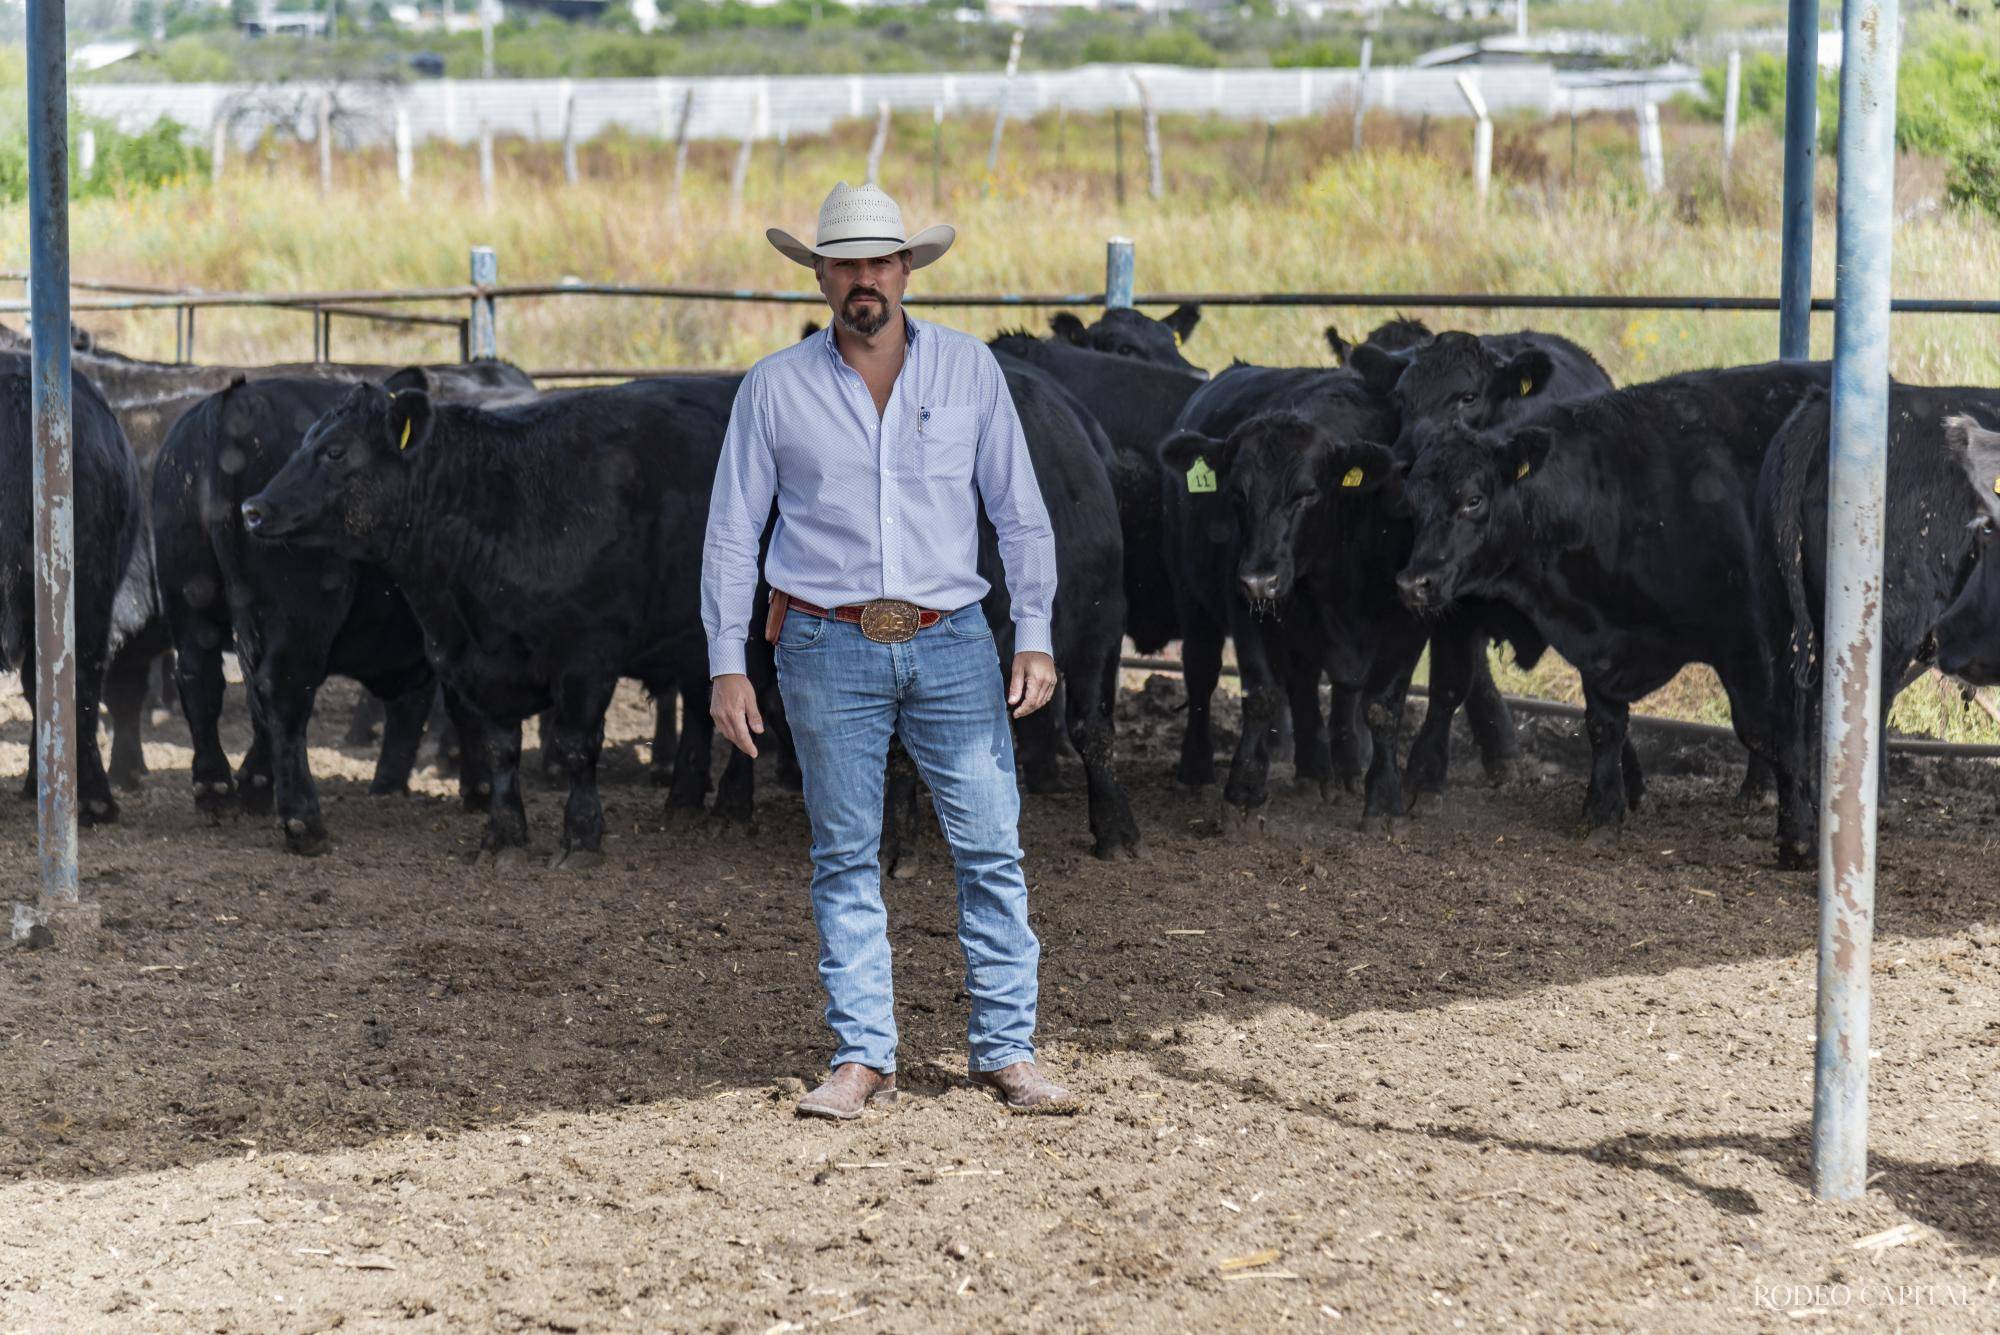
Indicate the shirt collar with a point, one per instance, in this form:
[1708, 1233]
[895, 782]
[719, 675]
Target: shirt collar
[911, 327]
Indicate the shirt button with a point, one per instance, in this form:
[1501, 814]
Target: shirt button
[890, 520]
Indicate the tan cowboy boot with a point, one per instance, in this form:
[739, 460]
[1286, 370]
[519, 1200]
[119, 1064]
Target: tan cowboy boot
[847, 1091]
[1025, 1089]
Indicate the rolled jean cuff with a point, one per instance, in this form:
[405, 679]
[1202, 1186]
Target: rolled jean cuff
[1007, 1057]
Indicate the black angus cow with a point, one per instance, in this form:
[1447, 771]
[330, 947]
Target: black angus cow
[295, 615]
[1478, 382]
[1968, 635]
[1323, 534]
[548, 548]
[1931, 562]
[105, 518]
[1135, 403]
[148, 399]
[1125, 332]
[1624, 527]
[1204, 541]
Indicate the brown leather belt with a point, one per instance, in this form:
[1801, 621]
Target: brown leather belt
[885, 620]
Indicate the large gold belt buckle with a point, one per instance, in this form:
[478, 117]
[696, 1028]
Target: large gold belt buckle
[889, 620]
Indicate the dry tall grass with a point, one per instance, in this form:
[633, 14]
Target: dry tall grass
[1566, 216]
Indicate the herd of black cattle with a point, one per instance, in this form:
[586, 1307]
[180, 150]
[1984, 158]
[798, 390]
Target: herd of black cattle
[476, 552]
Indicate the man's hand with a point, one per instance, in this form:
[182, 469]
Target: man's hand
[732, 703]
[1034, 681]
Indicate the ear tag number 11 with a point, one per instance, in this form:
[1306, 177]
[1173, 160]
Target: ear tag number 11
[1200, 477]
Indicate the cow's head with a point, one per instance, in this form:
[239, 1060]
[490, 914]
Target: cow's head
[1968, 634]
[344, 485]
[1468, 492]
[1455, 380]
[1129, 333]
[1284, 472]
[1397, 335]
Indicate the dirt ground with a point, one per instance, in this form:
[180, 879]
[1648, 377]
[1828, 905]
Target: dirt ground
[1481, 1077]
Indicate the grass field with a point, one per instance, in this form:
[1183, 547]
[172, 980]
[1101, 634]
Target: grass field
[1242, 212]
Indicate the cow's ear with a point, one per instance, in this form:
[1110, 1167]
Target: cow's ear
[1978, 452]
[409, 420]
[1526, 374]
[807, 330]
[1341, 347]
[1203, 461]
[1182, 320]
[1526, 451]
[1069, 329]
[1356, 468]
[1378, 369]
[410, 378]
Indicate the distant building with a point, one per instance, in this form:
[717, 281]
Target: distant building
[1542, 48]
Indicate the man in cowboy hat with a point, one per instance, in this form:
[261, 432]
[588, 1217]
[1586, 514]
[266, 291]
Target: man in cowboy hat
[880, 439]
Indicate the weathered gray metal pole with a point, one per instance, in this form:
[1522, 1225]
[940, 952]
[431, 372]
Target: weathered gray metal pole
[1117, 273]
[483, 334]
[1801, 152]
[1852, 700]
[55, 598]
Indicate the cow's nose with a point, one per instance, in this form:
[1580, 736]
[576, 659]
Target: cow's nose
[253, 515]
[1418, 590]
[1261, 586]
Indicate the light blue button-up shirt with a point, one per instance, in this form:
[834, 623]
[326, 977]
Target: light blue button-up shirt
[874, 506]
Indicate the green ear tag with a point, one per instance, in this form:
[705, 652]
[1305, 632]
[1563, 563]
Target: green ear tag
[1526, 385]
[1353, 478]
[406, 435]
[1201, 477]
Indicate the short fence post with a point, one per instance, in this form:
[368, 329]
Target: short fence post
[1652, 160]
[937, 154]
[325, 119]
[86, 153]
[218, 148]
[1062, 132]
[736, 176]
[486, 164]
[1118, 152]
[1361, 89]
[878, 143]
[681, 146]
[1155, 185]
[1118, 273]
[1006, 89]
[405, 166]
[1482, 137]
[1270, 138]
[778, 175]
[569, 132]
[1732, 94]
[484, 336]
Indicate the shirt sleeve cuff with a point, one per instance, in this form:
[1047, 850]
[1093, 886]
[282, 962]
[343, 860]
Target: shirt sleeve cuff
[1031, 635]
[724, 657]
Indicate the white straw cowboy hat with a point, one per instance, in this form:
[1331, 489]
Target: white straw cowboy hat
[859, 223]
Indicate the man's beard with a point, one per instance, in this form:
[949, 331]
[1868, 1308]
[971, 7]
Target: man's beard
[864, 320]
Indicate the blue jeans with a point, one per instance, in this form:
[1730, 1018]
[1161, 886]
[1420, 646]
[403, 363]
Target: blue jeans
[942, 694]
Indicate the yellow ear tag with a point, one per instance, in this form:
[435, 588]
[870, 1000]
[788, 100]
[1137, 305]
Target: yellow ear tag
[406, 435]
[1353, 478]
[1522, 472]
[1996, 486]
[1201, 478]
[1177, 338]
[1526, 385]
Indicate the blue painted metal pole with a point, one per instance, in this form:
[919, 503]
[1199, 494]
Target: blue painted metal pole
[1801, 153]
[484, 340]
[1118, 273]
[1852, 702]
[55, 601]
